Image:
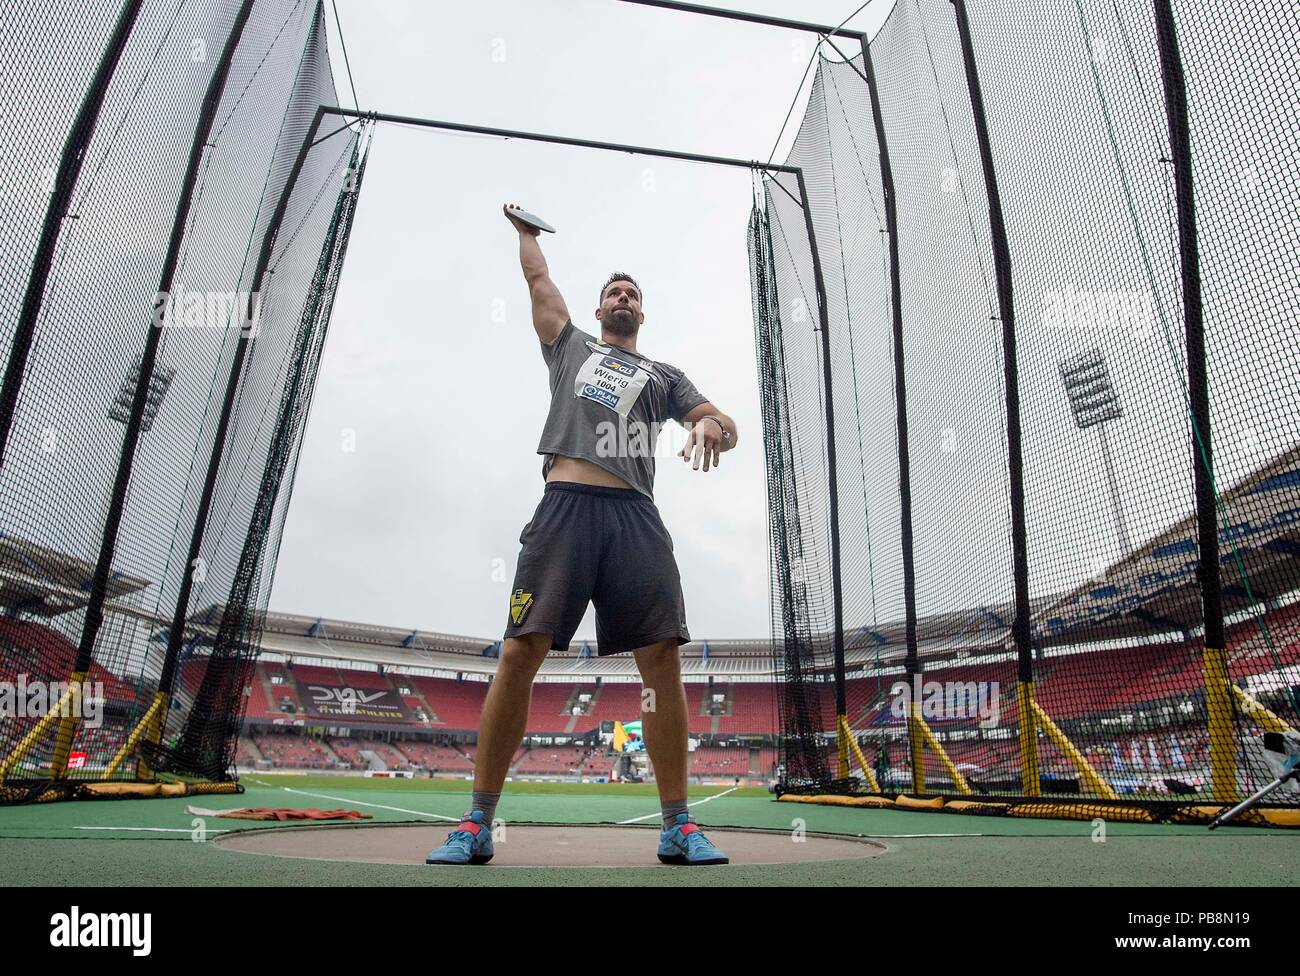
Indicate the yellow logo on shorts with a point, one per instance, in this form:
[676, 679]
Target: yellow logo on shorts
[520, 604]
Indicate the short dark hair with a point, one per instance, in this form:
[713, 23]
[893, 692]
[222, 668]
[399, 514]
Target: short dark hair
[620, 276]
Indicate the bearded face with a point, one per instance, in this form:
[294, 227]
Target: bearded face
[620, 309]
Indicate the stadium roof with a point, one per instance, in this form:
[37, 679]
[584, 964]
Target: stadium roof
[301, 636]
[1154, 589]
[46, 582]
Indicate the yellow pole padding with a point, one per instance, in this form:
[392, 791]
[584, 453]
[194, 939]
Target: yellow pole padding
[1074, 810]
[1091, 778]
[67, 725]
[1262, 716]
[142, 768]
[915, 739]
[35, 735]
[1218, 705]
[949, 766]
[145, 727]
[841, 747]
[1030, 780]
[852, 740]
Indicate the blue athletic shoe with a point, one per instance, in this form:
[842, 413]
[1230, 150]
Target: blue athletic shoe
[685, 843]
[469, 843]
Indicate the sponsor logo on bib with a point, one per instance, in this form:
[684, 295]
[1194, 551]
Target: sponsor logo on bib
[611, 382]
[618, 366]
[604, 348]
[600, 396]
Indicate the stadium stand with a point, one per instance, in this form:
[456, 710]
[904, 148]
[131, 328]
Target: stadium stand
[295, 751]
[445, 759]
[736, 732]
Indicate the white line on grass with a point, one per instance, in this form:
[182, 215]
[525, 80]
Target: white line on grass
[651, 816]
[287, 789]
[884, 836]
[161, 830]
[362, 803]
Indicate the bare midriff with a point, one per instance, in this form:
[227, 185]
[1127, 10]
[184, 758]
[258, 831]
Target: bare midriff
[565, 468]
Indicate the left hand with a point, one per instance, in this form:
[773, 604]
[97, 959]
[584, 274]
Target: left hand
[703, 441]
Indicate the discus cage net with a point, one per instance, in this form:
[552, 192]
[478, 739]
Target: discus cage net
[172, 249]
[1057, 243]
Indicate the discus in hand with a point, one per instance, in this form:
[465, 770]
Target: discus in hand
[532, 220]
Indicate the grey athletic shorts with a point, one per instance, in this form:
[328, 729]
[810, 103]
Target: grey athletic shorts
[590, 543]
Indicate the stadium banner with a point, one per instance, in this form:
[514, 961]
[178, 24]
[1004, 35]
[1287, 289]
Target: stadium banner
[343, 701]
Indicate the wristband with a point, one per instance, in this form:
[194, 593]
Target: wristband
[726, 434]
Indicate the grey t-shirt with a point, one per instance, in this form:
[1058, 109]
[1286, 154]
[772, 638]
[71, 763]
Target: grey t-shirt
[608, 405]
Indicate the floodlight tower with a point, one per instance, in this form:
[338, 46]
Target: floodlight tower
[1094, 403]
[160, 380]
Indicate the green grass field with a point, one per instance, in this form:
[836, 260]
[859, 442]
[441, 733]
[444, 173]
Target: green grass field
[151, 842]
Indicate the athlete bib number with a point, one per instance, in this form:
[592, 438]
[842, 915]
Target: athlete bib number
[615, 383]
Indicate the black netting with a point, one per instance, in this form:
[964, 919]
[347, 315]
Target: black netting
[1113, 694]
[190, 152]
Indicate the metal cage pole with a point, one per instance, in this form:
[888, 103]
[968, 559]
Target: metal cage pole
[150, 726]
[1218, 685]
[176, 635]
[912, 662]
[1011, 378]
[843, 731]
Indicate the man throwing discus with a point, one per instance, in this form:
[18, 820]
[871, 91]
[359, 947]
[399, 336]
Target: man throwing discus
[596, 536]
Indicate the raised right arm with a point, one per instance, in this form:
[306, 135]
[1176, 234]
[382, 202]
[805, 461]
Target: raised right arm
[549, 311]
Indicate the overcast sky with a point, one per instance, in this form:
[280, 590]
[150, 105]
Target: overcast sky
[419, 466]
